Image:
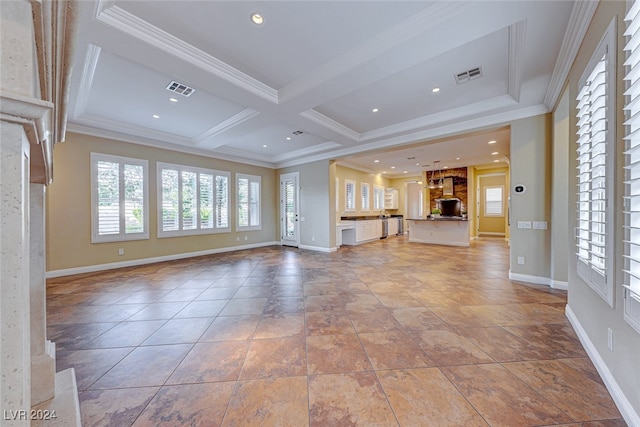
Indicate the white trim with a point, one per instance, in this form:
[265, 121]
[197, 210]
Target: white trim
[516, 64]
[86, 81]
[306, 151]
[579, 22]
[134, 26]
[144, 261]
[251, 179]
[539, 280]
[329, 123]
[317, 248]
[225, 125]
[437, 242]
[624, 405]
[490, 233]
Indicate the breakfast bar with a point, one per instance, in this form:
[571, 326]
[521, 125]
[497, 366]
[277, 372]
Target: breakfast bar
[451, 231]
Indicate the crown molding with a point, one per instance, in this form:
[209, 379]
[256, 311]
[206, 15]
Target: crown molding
[330, 124]
[161, 145]
[460, 126]
[306, 151]
[115, 127]
[355, 167]
[86, 80]
[225, 125]
[516, 66]
[134, 26]
[481, 107]
[579, 21]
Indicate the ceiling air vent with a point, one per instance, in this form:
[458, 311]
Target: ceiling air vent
[298, 132]
[180, 88]
[468, 75]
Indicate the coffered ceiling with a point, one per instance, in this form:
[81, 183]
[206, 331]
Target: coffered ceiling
[347, 80]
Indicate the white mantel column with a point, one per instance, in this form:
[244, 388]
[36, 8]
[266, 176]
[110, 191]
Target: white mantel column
[15, 337]
[43, 351]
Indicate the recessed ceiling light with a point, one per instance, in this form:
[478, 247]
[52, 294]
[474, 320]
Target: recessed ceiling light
[404, 171]
[393, 167]
[155, 116]
[495, 153]
[492, 142]
[375, 110]
[445, 167]
[435, 90]
[173, 100]
[496, 161]
[457, 158]
[417, 164]
[384, 171]
[376, 161]
[257, 19]
[288, 138]
[264, 145]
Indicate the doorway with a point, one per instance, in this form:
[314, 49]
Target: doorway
[290, 209]
[491, 206]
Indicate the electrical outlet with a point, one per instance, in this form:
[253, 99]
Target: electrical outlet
[313, 238]
[121, 251]
[610, 339]
[246, 238]
[521, 260]
[237, 239]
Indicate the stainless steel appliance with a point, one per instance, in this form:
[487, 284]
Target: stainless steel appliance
[385, 228]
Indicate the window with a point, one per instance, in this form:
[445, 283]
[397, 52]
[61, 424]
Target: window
[349, 195]
[119, 198]
[595, 161]
[378, 197]
[632, 171]
[365, 192]
[493, 201]
[192, 200]
[248, 195]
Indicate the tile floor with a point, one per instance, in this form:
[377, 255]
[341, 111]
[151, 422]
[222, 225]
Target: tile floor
[384, 334]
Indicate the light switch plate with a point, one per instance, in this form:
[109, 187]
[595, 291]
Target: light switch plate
[539, 225]
[524, 224]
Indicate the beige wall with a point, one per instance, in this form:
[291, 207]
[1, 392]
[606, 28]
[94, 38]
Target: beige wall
[473, 174]
[530, 158]
[594, 315]
[342, 173]
[317, 201]
[69, 216]
[493, 225]
[560, 226]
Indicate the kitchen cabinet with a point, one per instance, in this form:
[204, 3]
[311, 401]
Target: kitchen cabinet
[363, 231]
[391, 198]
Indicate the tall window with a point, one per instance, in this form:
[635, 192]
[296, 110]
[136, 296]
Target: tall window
[378, 197]
[595, 161]
[632, 170]
[248, 198]
[119, 198]
[365, 191]
[349, 195]
[493, 201]
[192, 200]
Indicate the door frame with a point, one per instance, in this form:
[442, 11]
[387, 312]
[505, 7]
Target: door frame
[480, 201]
[296, 176]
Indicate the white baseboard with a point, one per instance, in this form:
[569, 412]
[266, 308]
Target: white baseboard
[317, 248]
[490, 233]
[624, 406]
[143, 261]
[539, 280]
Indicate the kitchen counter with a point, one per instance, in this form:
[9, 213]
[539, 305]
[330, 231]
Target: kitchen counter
[366, 217]
[450, 231]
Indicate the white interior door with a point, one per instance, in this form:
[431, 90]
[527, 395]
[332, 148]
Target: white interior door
[289, 209]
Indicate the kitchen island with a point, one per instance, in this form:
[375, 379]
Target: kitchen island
[451, 231]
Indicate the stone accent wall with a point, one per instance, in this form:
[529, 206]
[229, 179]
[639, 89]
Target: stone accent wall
[459, 176]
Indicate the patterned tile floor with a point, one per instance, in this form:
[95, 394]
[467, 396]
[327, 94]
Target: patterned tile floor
[388, 333]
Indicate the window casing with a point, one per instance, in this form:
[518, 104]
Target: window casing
[494, 201]
[248, 201]
[349, 195]
[378, 197]
[595, 168]
[631, 281]
[365, 193]
[119, 198]
[192, 200]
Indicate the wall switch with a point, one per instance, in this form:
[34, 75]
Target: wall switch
[301, 218]
[524, 224]
[246, 238]
[610, 339]
[121, 251]
[521, 260]
[313, 238]
[539, 225]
